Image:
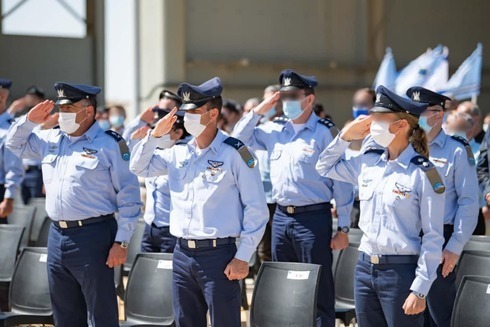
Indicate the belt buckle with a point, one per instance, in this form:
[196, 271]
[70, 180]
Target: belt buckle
[290, 209]
[191, 244]
[374, 259]
[63, 224]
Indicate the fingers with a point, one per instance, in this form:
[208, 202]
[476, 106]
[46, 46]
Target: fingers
[228, 272]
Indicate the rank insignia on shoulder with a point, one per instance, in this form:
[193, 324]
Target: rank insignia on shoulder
[431, 172]
[469, 152]
[123, 147]
[375, 150]
[242, 150]
[326, 122]
[280, 120]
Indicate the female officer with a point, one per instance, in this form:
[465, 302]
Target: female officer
[401, 194]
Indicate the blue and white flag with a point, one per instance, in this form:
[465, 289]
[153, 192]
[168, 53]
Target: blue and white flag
[465, 82]
[419, 71]
[387, 73]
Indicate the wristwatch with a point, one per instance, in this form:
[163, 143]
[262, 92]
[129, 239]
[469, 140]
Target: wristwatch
[419, 295]
[343, 230]
[123, 244]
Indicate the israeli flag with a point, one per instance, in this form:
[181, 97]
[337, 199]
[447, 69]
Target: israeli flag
[419, 71]
[387, 73]
[465, 82]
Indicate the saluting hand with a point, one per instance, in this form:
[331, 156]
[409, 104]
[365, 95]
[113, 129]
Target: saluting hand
[236, 269]
[357, 129]
[117, 256]
[148, 115]
[41, 112]
[52, 121]
[140, 133]
[266, 105]
[413, 305]
[165, 124]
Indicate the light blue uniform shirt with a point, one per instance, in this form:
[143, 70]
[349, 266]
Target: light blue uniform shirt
[213, 193]
[295, 181]
[84, 178]
[462, 191]
[397, 202]
[11, 167]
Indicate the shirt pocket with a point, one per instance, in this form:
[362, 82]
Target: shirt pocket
[214, 177]
[48, 165]
[366, 191]
[87, 163]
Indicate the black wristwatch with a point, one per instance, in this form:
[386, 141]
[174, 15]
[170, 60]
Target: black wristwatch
[123, 244]
[343, 230]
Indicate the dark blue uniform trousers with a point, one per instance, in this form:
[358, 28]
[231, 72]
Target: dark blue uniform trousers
[199, 284]
[81, 284]
[442, 294]
[306, 237]
[157, 239]
[380, 292]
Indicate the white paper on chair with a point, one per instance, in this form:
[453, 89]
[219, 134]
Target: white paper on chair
[298, 275]
[43, 258]
[164, 264]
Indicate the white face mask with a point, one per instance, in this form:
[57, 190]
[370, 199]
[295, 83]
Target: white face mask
[485, 127]
[380, 131]
[192, 123]
[67, 122]
[166, 142]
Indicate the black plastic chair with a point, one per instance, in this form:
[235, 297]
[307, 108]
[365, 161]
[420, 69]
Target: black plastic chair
[23, 216]
[148, 296]
[478, 243]
[118, 282]
[10, 236]
[134, 246]
[355, 235]
[476, 263]
[29, 292]
[345, 309]
[39, 217]
[43, 235]
[472, 305]
[285, 294]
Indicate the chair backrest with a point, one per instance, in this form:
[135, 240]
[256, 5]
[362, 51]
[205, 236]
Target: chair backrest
[10, 236]
[344, 273]
[148, 296]
[134, 246]
[478, 243]
[42, 238]
[355, 235]
[472, 305]
[285, 295]
[29, 290]
[23, 216]
[39, 217]
[473, 263]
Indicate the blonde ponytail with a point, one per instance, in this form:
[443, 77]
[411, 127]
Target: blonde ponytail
[417, 136]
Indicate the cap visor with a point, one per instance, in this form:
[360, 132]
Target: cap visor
[188, 106]
[380, 110]
[289, 88]
[63, 101]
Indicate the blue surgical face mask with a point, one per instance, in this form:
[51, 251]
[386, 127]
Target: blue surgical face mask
[358, 111]
[116, 120]
[104, 124]
[292, 108]
[424, 124]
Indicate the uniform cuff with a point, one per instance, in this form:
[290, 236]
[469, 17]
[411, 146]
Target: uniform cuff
[454, 246]
[343, 221]
[9, 194]
[123, 235]
[421, 286]
[244, 252]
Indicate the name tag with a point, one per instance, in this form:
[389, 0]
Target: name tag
[488, 289]
[164, 264]
[298, 275]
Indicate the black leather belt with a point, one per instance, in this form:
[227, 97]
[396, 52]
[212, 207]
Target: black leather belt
[388, 259]
[79, 223]
[203, 244]
[291, 210]
[159, 227]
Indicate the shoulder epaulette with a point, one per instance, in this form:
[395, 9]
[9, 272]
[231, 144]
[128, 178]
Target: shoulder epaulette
[469, 152]
[280, 120]
[431, 172]
[374, 150]
[326, 122]
[242, 150]
[123, 147]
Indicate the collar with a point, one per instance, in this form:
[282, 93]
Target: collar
[440, 139]
[403, 159]
[215, 144]
[311, 123]
[90, 134]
